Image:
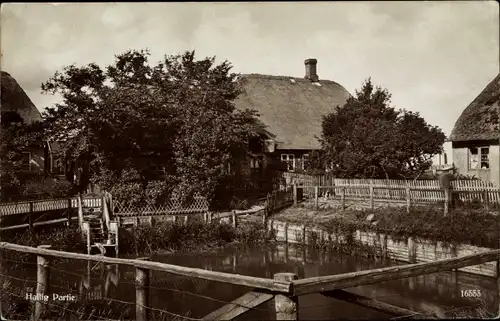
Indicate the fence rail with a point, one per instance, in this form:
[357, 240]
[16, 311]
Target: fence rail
[46, 205]
[284, 288]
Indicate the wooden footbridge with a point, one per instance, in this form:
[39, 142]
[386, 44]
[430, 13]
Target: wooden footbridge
[284, 288]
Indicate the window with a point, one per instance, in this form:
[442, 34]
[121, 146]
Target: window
[289, 160]
[479, 158]
[305, 159]
[256, 162]
[26, 162]
[485, 157]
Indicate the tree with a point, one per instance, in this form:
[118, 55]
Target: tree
[366, 138]
[16, 137]
[133, 122]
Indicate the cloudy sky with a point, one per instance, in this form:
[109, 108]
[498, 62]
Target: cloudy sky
[434, 57]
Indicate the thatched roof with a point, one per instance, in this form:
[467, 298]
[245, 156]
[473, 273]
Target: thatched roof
[480, 120]
[292, 108]
[14, 98]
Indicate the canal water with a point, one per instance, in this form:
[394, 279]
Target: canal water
[113, 286]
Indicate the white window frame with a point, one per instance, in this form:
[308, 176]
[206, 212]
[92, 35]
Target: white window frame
[305, 158]
[479, 157]
[29, 161]
[288, 159]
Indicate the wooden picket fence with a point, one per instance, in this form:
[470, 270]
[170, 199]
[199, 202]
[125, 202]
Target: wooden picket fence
[393, 190]
[46, 205]
[198, 204]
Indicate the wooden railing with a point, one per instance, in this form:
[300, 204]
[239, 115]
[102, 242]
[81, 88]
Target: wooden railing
[284, 288]
[46, 205]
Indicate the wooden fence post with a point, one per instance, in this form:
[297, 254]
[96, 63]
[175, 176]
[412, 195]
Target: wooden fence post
[446, 201]
[486, 200]
[141, 294]
[295, 194]
[30, 216]
[117, 237]
[412, 250]
[498, 288]
[371, 195]
[285, 230]
[287, 307]
[80, 210]
[69, 212]
[408, 199]
[316, 196]
[233, 220]
[342, 197]
[42, 279]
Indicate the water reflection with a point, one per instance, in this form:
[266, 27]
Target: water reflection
[100, 283]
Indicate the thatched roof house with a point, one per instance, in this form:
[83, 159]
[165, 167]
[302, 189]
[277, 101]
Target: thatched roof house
[475, 137]
[291, 107]
[480, 121]
[14, 98]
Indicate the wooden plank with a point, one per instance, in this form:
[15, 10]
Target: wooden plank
[370, 303]
[353, 279]
[237, 279]
[239, 306]
[59, 220]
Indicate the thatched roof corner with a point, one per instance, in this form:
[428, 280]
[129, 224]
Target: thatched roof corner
[14, 98]
[291, 107]
[480, 120]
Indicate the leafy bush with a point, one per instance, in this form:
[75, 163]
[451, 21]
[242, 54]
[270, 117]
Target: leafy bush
[48, 188]
[195, 235]
[60, 238]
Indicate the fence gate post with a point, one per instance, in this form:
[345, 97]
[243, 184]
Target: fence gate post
[42, 279]
[287, 307]
[141, 294]
[295, 194]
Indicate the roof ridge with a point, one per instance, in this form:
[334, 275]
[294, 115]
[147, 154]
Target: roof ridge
[277, 77]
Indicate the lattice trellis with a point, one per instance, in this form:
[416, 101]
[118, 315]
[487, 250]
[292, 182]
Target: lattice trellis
[198, 204]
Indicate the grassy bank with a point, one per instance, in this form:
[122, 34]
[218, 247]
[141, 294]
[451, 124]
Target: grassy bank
[196, 235]
[467, 226]
[143, 240]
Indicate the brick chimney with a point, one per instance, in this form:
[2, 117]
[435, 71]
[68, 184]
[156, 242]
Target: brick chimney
[311, 69]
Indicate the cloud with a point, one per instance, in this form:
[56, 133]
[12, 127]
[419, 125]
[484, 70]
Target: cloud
[434, 57]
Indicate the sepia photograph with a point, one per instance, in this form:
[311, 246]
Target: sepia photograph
[250, 160]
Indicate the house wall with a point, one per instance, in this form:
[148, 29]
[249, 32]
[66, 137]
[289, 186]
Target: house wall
[297, 153]
[445, 158]
[461, 160]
